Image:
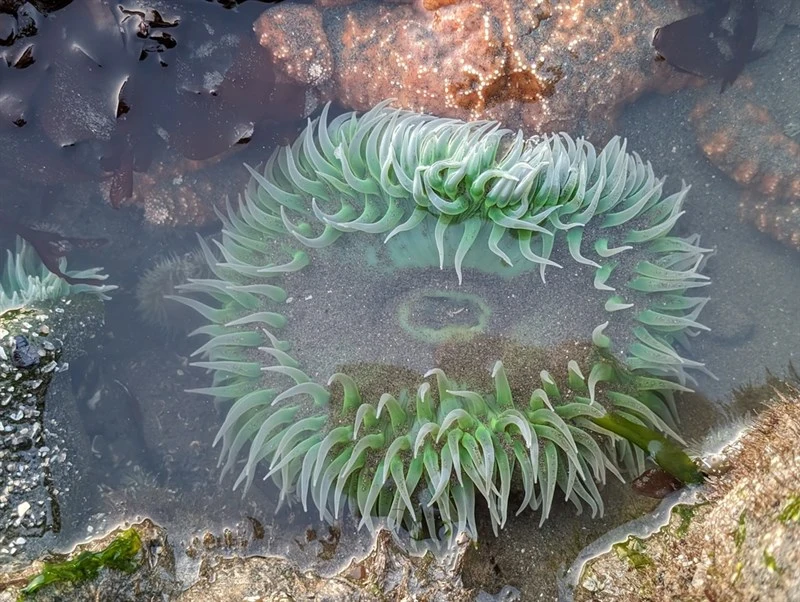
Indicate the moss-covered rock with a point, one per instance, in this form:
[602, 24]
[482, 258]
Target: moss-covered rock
[138, 563]
[740, 539]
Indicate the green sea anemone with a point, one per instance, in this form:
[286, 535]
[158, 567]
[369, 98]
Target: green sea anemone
[26, 281]
[372, 207]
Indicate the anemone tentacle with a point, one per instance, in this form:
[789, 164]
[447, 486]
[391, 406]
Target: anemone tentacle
[441, 193]
[26, 280]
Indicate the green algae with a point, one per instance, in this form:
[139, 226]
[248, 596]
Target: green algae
[771, 563]
[741, 531]
[686, 514]
[739, 535]
[632, 550]
[791, 512]
[119, 555]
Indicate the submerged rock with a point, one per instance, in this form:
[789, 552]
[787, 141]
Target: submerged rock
[125, 565]
[46, 320]
[149, 572]
[545, 66]
[35, 346]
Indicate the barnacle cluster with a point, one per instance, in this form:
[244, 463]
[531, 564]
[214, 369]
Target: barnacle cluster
[39, 311]
[485, 201]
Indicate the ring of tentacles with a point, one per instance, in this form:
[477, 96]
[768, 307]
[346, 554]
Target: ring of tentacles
[476, 195]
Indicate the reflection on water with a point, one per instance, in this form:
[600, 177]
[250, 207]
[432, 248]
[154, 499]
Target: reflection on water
[136, 97]
[130, 124]
[118, 123]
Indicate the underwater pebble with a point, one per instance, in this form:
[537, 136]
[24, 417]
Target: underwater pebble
[3, 355]
[24, 355]
[20, 443]
[23, 508]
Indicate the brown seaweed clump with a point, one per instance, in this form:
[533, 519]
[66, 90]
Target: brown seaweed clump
[741, 542]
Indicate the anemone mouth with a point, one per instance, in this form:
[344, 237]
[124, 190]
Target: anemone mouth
[579, 240]
[432, 315]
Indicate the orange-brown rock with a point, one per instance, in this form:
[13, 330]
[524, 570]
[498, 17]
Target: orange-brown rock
[743, 139]
[540, 65]
[779, 220]
[434, 4]
[298, 43]
[751, 133]
[183, 192]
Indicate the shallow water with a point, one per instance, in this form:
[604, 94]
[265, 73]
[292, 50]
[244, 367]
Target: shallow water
[100, 115]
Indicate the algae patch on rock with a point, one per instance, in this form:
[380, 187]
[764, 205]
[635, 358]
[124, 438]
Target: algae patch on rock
[741, 541]
[120, 555]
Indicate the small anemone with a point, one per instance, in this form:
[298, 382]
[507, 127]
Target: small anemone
[714, 449]
[160, 281]
[27, 281]
[475, 198]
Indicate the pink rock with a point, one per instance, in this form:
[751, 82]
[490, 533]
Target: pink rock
[540, 65]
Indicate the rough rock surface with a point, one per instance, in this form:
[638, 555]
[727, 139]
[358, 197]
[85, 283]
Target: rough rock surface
[540, 65]
[386, 573]
[740, 542]
[30, 451]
